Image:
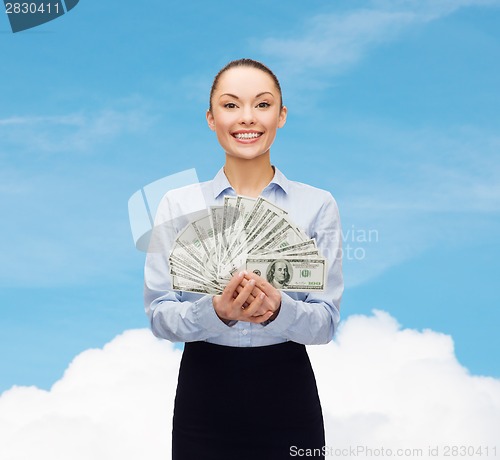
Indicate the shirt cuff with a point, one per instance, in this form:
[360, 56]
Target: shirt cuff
[285, 318]
[205, 315]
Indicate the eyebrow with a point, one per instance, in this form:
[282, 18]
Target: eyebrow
[236, 97]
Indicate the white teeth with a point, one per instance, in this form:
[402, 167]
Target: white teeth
[246, 135]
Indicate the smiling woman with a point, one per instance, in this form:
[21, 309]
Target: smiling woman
[246, 389]
[245, 112]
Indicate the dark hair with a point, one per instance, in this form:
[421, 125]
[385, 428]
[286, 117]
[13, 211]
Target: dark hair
[245, 63]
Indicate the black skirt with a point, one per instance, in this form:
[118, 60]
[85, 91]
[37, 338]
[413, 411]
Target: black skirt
[252, 403]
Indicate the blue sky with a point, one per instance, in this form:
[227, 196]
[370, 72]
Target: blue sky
[393, 107]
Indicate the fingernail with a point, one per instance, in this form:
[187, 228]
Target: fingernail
[252, 282]
[262, 295]
[241, 274]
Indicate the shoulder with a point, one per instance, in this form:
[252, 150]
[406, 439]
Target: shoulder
[310, 197]
[295, 189]
[185, 203]
[301, 188]
[199, 190]
[311, 208]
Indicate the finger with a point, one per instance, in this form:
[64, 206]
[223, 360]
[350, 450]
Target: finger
[242, 297]
[266, 305]
[263, 316]
[256, 291]
[235, 281]
[263, 306]
[273, 296]
[261, 283]
[260, 319]
[249, 300]
[255, 305]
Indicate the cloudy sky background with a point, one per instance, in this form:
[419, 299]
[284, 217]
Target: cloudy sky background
[393, 107]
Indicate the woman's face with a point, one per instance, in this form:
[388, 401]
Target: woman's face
[246, 112]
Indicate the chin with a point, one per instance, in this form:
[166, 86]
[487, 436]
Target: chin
[246, 155]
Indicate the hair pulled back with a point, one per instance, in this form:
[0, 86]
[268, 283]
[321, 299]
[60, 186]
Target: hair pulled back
[245, 62]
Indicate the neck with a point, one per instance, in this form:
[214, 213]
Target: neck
[249, 177]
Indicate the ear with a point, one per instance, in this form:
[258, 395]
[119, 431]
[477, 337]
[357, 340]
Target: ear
[282, 117]
[210, 120]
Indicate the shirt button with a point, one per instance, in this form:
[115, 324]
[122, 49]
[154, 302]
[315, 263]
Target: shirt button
[244, 332]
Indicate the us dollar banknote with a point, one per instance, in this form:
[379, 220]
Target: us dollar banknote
[245, 233]
[299, 274]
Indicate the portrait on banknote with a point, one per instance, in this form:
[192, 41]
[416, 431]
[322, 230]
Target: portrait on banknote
[279, 273]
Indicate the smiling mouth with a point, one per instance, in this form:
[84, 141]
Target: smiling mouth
[247, 136]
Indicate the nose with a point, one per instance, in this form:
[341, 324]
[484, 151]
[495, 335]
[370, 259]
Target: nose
[247, 116]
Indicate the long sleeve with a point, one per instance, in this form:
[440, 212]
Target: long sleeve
[171, 317]
[314, 319]
[307, 318]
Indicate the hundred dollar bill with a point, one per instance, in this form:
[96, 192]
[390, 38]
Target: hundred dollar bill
[182, 284]
[208, 251]
[256, 229]
[179, 265]
[261, 212]
[282, 240]
[284, 234]
[193, 240]
[304, 247]
[299, 274]
[216, 214]
[227, 220]
[205, 233]
[187, 256]
[237, 209]
[186, 275]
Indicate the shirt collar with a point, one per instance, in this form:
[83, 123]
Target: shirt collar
[280, 180]
[221, 184]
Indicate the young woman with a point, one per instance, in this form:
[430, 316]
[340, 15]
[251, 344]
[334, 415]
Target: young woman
[246, 389]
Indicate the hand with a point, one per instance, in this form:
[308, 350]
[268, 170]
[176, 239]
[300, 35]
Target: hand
[272, 299]
[231, 307]
[265, 306]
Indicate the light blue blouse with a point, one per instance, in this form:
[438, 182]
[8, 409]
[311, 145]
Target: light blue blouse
[304, 317]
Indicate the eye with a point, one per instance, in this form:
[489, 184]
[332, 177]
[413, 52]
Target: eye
[230, 105]
[263, 105]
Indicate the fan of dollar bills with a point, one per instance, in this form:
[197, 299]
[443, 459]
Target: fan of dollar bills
[250, 234]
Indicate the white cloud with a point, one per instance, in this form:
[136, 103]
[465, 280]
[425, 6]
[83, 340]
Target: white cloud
[72, 119]
[431, 9]
[111, 403]
[70, 132]
[384, 386]
[336, 41]
[380, 386]
[71, 201]
[439, 170]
